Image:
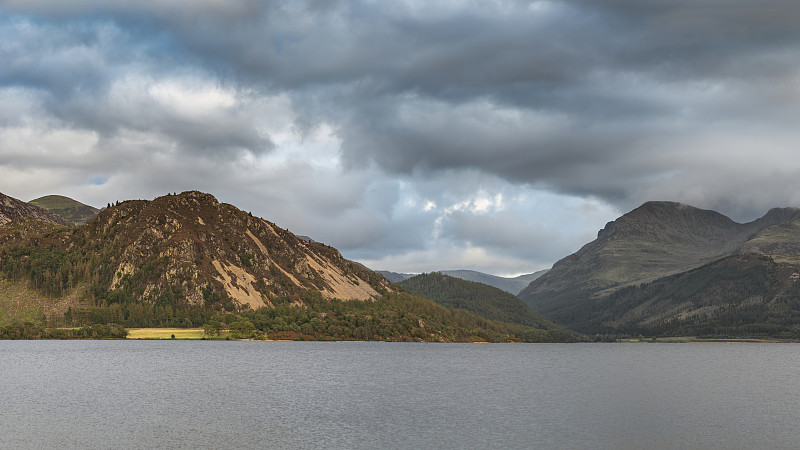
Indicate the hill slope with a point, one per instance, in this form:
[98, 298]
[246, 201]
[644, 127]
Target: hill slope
[11, 208]
[746, 295]
[486, 301]
[72, 210]
[183, 250]
[511, 285]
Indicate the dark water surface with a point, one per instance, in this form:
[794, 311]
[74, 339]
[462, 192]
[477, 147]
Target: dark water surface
[204, 394]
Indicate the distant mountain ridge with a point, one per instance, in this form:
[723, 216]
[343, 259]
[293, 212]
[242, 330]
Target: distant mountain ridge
[654, 241]
[72, 210]
[512, 285]
[11, 208]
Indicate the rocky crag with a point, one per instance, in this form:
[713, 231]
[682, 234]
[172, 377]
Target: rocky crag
[11, 208]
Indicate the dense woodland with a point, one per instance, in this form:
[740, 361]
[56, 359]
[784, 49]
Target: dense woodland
[32, 330]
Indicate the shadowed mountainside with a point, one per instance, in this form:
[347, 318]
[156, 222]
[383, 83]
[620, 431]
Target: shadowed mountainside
[656, 240]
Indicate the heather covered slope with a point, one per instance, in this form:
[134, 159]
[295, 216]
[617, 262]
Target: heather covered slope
[182, 250]
[11, 208]
[72, 210]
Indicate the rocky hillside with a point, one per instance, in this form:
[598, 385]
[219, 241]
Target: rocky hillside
[11, 208]
[657, 240]
[189, 249]
[72, 210]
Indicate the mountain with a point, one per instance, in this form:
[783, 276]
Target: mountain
[196, 244]
[11, 208]
[395, 277]
[484, 300]
[511, 285]
[188, 260]
[72, 210]
[656, 240]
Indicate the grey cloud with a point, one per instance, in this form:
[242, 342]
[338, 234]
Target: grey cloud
[621, 100]
[507, 233]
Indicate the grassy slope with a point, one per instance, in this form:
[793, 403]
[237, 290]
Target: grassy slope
[67, 208]
[780, 242]
[486, 301]
[18, 304]
[739, 296]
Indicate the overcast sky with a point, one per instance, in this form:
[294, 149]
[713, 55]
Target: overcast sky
[412, 135]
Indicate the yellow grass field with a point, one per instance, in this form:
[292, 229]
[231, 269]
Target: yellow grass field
[165, 333]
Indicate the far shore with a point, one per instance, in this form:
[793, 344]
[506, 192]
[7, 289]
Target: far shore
[695, 339]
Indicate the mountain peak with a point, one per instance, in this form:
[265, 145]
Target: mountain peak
[199, 245]
[72, 210]
[664, 220]
[777, 216]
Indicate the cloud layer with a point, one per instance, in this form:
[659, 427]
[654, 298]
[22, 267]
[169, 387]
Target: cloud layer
[414, 136]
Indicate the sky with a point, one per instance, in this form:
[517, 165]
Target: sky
[413, 136]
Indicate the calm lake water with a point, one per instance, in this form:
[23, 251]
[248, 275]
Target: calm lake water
[207, 394]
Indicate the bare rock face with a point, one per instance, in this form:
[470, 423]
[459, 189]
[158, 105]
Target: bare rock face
[11, 208]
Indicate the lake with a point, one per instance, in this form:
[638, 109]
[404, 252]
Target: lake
[315, 395]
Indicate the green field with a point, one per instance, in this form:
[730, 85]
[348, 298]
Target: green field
[17, 304]
[165, 333]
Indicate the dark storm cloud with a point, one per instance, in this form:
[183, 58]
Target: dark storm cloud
[618, 100]
[592, 65]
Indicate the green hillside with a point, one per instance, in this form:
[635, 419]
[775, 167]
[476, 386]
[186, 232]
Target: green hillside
[740, 296]
[486, 301]
[511, 285]
[72, 210]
